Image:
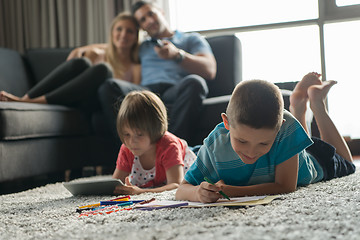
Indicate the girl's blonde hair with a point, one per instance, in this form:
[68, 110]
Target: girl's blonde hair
[143, 111]
[111, 54]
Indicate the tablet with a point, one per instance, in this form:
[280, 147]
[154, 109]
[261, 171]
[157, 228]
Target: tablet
[93, 187]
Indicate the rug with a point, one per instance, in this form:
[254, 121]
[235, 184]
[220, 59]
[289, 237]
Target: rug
[326, 210]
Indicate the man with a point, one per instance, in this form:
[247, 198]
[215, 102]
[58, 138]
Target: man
[174, 65]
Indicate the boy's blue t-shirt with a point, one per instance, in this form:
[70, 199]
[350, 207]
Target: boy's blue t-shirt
[218, 161]
[157, 70]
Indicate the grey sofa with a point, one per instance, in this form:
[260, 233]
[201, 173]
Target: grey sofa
[38, 139]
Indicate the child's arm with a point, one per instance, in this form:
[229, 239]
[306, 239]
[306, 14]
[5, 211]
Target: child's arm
[205, 192]
[174, 175]
[120, 174]
[286, 175]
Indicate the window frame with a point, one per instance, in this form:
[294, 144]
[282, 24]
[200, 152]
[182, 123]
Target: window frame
[332, 12]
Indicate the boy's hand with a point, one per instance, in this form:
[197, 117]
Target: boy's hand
[208, 193]
[220, 184]
[127, 189]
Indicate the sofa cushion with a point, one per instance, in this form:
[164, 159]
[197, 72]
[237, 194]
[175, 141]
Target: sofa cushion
[227, 52]
[43, 60]
[29, 120]
[14, 77]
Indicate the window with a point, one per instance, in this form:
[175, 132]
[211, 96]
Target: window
[283, 39]
[189, 15]
[280, 55]
[342, 51]
[277, 55]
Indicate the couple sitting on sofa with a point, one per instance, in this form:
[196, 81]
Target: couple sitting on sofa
[175, 71]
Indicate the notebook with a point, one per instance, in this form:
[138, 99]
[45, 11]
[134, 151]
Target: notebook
[93, 187]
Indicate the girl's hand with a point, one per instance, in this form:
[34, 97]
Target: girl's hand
[208, 193]
[128, 189]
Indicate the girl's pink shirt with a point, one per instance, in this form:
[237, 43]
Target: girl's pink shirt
[170, 151]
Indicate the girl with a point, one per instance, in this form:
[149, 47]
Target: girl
[76, 81]
[150, 156]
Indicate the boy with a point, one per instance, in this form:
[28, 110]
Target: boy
[261, 149]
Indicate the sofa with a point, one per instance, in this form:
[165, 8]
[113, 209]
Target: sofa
[38, 139]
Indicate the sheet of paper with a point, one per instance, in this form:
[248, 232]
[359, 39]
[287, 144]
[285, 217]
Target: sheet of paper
[238, 201]
[222, 201]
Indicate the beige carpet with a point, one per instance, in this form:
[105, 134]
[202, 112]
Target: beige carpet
[327, 210]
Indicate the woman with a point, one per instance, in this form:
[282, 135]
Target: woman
[76, 81]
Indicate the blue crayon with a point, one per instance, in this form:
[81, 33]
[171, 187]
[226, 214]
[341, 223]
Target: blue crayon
[119, 203]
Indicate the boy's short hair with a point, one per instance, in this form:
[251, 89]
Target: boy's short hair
[138, 5]
[144, 111]
[257, 104]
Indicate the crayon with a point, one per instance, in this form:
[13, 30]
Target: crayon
[221, 192]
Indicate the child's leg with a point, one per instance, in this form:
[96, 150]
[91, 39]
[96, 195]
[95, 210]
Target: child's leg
[299, 97]
[328, 131]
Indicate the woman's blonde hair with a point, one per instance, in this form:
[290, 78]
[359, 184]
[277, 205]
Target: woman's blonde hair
[144, 111]
[111, 55]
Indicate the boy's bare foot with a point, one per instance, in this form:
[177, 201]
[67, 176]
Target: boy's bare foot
[7, 97]
[318, 93]
[308, 80]
[298, 104]
[328, 131]
[299, 96]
